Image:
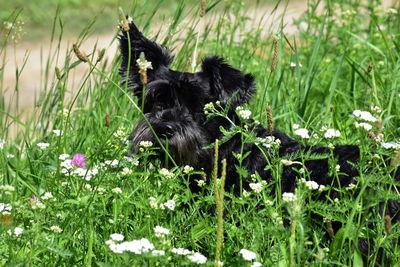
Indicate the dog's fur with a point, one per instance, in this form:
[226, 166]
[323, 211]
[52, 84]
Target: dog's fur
[174, 106]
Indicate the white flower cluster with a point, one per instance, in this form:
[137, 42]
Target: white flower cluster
[247, 254]
[7, 188]
[302, 132]
[145, 144]
[364, 125]
[117, 190]
[330, 133]
[312, 185]
[195, 257]
[120, 132]
[269, 141]
[43, 145]
[169, 204]
[209, 107]
[288, 197]
[17, 231]
[364, 115]
[257, 187]
[166, 173]
[243, 113]
[391, 145]
[68, 169]
[48, 195]
[113, 163]
[58, 132]
[143, 64]
[161, 231]
[5, 208]
[56, 229]
[187, 169]
[136, 246]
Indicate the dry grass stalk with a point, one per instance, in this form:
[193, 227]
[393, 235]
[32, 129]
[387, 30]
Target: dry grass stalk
[79, 54]
[270, 119]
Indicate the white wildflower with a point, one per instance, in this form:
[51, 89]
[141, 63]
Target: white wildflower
[17, 231]
[117, 190]
[145, 144]
[376, 109]
[331, 146]
[113, 163]
[47, 195]
[391, 145]
[332, 133]
[67, 164]
[117, 237]
[63, 156]
[126, 171]
[43, 145]
[312, 185]
[256, 187]
[116, 248]
[364, 125]
[295, 126]
[143, 64]
[201, 183]
[364, 115]
[137, 246]
[243, 113]
[197, 258]
[302, 132]
[181, 251]
[209, 107]
[392, 11]
[160, 231]
[2, 143]
[288, 197]
[256, 264]
[351, 186]
[153, 203]
[166, 173]
[321, 187]
[294, 64]
[337, 168]
[56, 229]
[88, 187]
[187, 169]
[247, 254]
[58, 132]
[170, 204]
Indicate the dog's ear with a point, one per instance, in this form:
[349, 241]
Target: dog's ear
[132, 44]
[227, 83]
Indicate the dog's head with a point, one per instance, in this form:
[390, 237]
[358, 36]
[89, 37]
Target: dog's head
[174, 101]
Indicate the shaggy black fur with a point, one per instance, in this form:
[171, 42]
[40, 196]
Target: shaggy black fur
[174, 103]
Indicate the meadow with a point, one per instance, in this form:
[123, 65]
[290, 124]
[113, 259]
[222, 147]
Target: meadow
[72, 194]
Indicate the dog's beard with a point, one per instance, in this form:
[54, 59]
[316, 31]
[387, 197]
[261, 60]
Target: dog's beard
[183, 139]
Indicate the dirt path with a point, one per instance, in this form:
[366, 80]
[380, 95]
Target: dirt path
[35, 54]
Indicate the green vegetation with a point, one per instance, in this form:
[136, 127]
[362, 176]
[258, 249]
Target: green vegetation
[345, 58]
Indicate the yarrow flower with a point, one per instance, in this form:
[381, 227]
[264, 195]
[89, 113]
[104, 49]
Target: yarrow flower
[56, 229]
[391, 145]
[63, 156]
[43, 145]
[145, 144]
[187, 169]
[58, 132]
[294, 64]
[166, 173]
[170, 204]
[312, 185]
[197, 258]
[47, 195]
[209, 107]
[247, 254]
[256, 264]
[364, 125]
[117, 190]
[17, 231]
[160, 231]
[243, 113]
[143, 64]
[79, 160]
[288, 197]
[364, 115]
[329, 133]
[257, 187]
[302, 132]
[117, 237]
[181, 251]
[5, 208]
[136, 246]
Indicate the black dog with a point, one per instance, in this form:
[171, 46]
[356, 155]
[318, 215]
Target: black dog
[173, 104]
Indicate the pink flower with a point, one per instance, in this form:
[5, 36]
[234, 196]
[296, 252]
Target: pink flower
[79, 160]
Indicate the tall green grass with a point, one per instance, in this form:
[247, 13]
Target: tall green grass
[343, 58]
